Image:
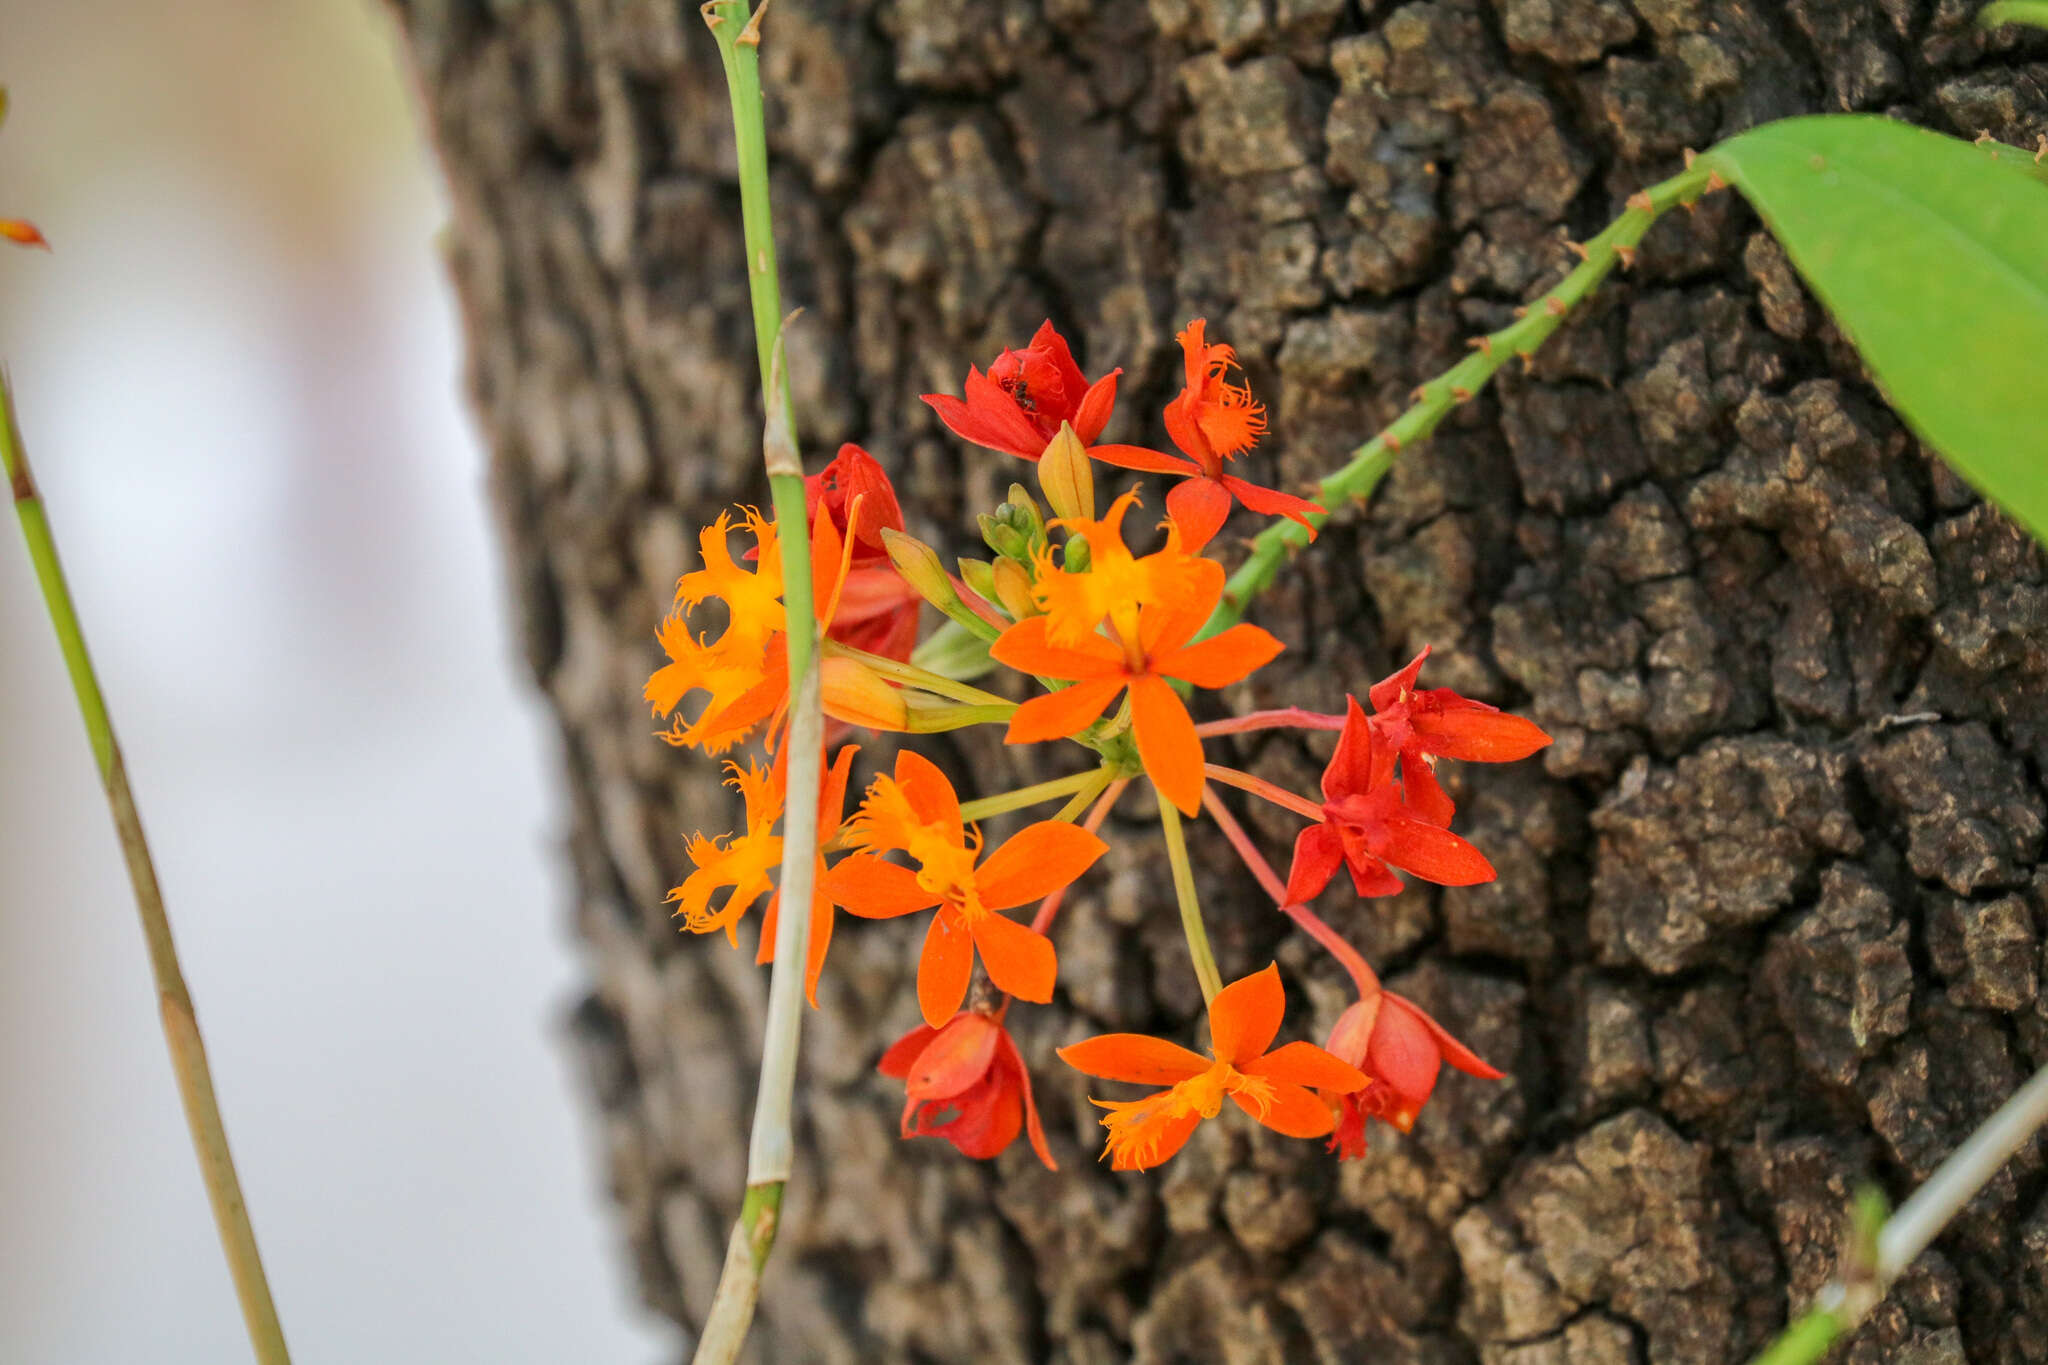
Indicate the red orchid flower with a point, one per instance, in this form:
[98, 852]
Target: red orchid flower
[1212, 421]
[1369, 827]
[1395, 1042]
[1422, 727]
[878, 611]
[966, 1083]
[1017, 407]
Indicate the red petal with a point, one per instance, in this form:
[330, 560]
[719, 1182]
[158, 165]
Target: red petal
[904, 1051]
[1435, 855]
[1245, 1015]
[1272, 502]
[1035, 862]
[1403, 1053]
[1317, 854]
[944, 969]
[1010, 1058]
[1093, 414]
[1386, 693]
[1478, 735]
[1361, 761]
[1141, 458]
[988, 1123]
[1134, 1057]
[1020, 960]
[1199, 506]
[1455, 1052]
[1423, 794]
[957, 1057]
[1048, 340]
[1291, 1110]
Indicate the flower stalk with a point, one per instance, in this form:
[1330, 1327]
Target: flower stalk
[770, 1152]
[174, 1000]
[1190, 905]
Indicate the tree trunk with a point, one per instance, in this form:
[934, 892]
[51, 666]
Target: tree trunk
[1770, 916]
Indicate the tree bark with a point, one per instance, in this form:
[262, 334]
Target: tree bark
[1771, 911]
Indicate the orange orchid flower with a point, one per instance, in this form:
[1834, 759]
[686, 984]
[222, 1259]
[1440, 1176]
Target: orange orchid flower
[741, 861]
[966, 1083]
[916, 812]
[1144, 660]
[1213, 421]
[746, 669]
[1116, 583]
[1403, 1049]
[831, 814]
[1273, 1086]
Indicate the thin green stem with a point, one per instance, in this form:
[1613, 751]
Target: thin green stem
[174, 1000]
[1087, 778]
[770, 1152]
[1190, 905]
[1355, 482]
[2033, 12]
[912, 676]
[1106, 781]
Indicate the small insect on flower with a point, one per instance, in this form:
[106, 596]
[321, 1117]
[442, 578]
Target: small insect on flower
[1397, 1043]
[916, 812]
[1273, 1086]
[966, 1083]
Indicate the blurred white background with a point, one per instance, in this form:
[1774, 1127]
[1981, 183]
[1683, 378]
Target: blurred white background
[239, 376]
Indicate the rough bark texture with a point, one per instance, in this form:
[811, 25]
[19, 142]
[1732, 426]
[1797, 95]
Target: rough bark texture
[1771, 911]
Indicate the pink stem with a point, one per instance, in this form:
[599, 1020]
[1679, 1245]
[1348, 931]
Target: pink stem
[1259, 786]
[1290, 718]
[1362, 974]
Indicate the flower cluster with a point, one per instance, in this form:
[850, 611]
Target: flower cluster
[1110, 640]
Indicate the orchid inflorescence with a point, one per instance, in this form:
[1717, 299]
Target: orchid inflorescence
[1097, 625]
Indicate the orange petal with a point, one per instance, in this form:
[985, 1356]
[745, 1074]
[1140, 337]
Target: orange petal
[1455, 1053]
[1245, 1015]
[770, 919]
[1035, 862]
[943, 971]
[1020, 960]
[832, 793]
[1403, 1052]
[1289, 1109]
[1142, 459]
[904, 1051]
[1164, 626]
[1199, 506]
[874, 889]
[1135, 1057]
[821, 939]
[1173, 1134]
[1024, 647]
[1059, 714]
[928, 792]
[1222, 659]
[1167, 743]
[1306, 1064]
[23, 233]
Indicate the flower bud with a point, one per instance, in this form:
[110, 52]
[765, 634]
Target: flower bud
[919, 565]
[1013, 589]
[1066, 476]
[1004, 538]
[979, 576]
[1020, 498]
[858, 695]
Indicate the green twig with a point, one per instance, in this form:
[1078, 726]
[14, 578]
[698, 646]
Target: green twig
[174, 1001]
[1088, 780]
[1355, 482]
[2031, 12]
[771, 1150]
[1190, 905]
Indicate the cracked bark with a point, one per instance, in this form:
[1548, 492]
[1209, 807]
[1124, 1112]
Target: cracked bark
[1754, 938]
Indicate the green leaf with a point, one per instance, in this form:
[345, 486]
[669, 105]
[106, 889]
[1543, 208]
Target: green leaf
[2033, 12]
[1932, 254]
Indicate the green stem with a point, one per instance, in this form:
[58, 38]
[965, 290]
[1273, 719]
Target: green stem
[1097, 778]
[2034, 12]
[912, 676]
[1355, 482]
[770, 1153]
[174, 1000]
[1190, 907]
[1104, 779]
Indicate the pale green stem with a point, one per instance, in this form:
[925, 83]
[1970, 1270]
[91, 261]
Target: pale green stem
[174, 1000]
[1105, 778]
[1355, 482]
[1190, 906]
[1083, 781]
[770, 1152]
